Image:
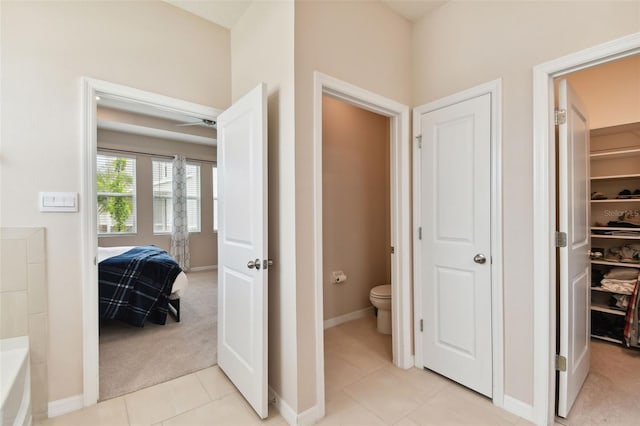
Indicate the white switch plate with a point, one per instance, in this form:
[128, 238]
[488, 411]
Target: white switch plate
[63, 202]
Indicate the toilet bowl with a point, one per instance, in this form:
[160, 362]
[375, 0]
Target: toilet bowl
[380, 297]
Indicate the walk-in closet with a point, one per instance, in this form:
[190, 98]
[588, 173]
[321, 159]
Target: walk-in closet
[611, 96]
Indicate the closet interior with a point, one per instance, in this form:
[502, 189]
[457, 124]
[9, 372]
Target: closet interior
[615, 233]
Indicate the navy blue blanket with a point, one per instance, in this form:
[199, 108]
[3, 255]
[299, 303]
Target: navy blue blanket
[135, 286]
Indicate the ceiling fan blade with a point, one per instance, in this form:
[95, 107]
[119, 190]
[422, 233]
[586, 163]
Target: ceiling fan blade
[203, 122]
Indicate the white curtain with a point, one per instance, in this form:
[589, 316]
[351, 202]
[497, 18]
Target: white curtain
[180, 234]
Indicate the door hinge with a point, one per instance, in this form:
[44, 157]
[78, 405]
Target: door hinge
[561, 363]
[421, 325]
[419, 140]
[420, 232]
[561, 239]
[560, 116]
[393, 249]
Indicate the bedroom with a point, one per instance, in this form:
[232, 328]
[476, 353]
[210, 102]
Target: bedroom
[136, 146]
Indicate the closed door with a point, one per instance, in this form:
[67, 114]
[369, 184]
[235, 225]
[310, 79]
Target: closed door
[455, 206]
[242, 246]
[575, 268]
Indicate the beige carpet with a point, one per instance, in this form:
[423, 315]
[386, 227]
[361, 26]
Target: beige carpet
[611, 393]
[132, 358]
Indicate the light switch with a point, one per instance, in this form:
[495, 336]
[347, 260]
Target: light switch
[58, 202]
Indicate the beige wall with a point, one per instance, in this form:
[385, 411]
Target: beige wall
[356, 233]
[610, 92]
[462, 44]
[203, 245]
[262, 51]
[362, 43]
[46, 48]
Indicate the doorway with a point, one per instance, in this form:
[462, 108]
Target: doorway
[92, 89]
[545, 211]
[400, 208]
[603, 386]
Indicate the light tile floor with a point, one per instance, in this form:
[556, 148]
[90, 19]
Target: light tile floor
[362, 388]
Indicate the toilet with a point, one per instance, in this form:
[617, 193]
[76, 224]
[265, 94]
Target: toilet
[380, 297]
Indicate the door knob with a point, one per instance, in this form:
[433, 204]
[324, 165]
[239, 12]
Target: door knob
[251, 264]
[479, 258]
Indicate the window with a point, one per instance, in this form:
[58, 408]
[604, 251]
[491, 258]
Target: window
[116, 190]
[215, 198]
[193, 197]
[163, 196]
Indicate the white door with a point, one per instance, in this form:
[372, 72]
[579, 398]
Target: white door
[242, 246]
[455, 203]
[575, 269]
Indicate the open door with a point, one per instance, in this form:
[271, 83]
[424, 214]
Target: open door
[242, 246]
[575, 268]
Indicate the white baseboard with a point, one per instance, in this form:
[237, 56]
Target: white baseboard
[519, 408]
[286, 412]
[64, 406]
[203, 268]
[307, 417]
[310, 416]
[332, 322]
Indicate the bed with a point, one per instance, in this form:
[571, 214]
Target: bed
[139, 283]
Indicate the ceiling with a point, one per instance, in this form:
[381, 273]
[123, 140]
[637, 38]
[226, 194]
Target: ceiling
[227, 12]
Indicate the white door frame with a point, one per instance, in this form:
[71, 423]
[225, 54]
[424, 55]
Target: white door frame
[400, 215]
[544, 213]
[88, 207]
[494, 88]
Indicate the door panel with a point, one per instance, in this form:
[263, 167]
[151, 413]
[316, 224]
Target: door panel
[242, 238]
[575, 269]
[455, 162]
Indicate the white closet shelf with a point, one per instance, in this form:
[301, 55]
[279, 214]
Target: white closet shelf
[617, 153]
[617, 237]
[613, 228]
[606, 309]
[613, 177]
[617, 200]
[608, 339]
[605, 262]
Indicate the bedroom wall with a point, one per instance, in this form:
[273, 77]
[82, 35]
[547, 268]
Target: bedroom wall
[356, 232]
[203, 245]
[46, 48]
[463, 44]
[362, 43]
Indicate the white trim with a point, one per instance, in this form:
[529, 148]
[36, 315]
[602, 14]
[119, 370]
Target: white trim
[203, 268]
[494, 88]
[518, 408]
[332, 322]
[65, 405]
[307, 417]
[544, 178]
[91, 88]
[400, 216]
